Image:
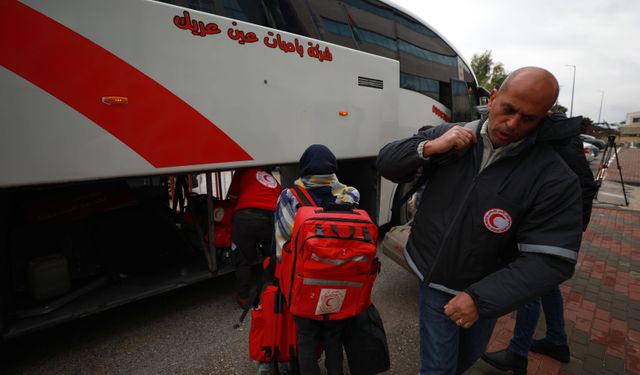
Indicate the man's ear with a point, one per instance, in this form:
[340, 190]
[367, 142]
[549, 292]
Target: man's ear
[492, 97]
[494, 93]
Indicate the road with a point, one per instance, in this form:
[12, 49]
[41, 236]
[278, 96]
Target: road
[191, 331]
[611, 193]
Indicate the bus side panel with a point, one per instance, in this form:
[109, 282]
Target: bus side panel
[270, 102]
[415, 111]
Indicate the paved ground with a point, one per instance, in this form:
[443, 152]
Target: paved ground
[602, 300]
[629, 164]
[191, 330]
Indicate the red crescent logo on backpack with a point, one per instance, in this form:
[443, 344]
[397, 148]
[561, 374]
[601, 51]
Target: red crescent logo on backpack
[497, 220]
[330, 301]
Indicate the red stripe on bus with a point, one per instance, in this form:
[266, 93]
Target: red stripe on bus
[156, 124]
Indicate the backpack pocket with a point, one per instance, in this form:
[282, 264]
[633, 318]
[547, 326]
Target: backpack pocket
[322, 298]
[335, 256]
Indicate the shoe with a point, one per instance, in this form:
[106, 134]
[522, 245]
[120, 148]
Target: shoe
[266, 369]
[284, 368]
[243, 302]
[506, 360]
[558, 352]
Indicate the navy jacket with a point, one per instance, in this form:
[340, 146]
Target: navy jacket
[504, 235]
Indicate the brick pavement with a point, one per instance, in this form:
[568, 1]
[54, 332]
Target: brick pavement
[602, 300]
[602, 303]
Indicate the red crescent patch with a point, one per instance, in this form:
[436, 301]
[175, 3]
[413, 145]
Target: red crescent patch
[497, 220]
[266, 179]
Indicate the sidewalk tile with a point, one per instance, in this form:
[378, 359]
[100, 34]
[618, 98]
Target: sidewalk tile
[601, 301]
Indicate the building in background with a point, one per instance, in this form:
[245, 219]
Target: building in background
[631, 131]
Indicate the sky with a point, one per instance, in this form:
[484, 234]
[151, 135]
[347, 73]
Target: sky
[600, 37]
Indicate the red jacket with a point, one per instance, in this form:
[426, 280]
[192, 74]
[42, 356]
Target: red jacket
[254, 188]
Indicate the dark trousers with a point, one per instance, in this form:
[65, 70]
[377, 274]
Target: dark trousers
[313, 332]
[251, 227]
[527, 320]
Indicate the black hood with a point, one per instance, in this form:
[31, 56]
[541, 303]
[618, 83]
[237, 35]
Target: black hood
[317, 159]
[558, 127]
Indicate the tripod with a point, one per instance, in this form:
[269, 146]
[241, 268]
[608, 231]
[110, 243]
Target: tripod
[610, 148]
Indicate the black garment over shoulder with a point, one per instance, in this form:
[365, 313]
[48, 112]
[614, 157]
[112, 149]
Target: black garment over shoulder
[562, 134]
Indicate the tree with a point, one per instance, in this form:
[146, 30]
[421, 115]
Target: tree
[498, 75]
[586, 127]
[481, 66]
[560, 108]
[490, 75]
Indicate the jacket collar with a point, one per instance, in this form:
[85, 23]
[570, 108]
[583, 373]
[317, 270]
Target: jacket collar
[526, 143]
[556, 127]
[553, 128]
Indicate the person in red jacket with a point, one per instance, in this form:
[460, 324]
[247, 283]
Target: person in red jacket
[255, 193]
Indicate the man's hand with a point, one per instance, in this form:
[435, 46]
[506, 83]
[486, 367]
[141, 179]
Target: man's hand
[458, 138]
[462, 310]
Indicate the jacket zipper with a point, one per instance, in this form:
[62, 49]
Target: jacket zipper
[471, 187]
[448, 232]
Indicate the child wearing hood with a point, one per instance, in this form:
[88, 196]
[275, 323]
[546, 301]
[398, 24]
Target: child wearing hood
[317, 175]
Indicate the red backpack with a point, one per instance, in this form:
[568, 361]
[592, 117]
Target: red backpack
[329, 265]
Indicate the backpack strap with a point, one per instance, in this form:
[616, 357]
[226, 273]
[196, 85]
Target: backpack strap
[303, 196]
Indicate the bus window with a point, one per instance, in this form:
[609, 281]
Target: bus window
[423, 54]
[338, 32]
[429, 87]
[468, 76]
[462, 101]
[445, 93]
[427, 62]
[355, 27]
[483, 96]
[208, 6]
[243, 10]
[282, 17]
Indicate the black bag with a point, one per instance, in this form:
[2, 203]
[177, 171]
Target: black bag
[365, 343]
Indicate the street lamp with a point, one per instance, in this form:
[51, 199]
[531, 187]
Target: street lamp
[573, 87]
[601, 100]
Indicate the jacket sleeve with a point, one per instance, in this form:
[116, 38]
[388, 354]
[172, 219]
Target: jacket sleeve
[519, 282]
[284, 218]
[399, 161]
[548, 242]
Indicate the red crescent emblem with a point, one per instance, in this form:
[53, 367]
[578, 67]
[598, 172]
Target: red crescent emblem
[497, 220]
[266, 179]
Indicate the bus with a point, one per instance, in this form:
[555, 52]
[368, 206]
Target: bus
[110, 111]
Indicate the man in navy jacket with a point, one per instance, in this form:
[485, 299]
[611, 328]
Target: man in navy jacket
[497, 226]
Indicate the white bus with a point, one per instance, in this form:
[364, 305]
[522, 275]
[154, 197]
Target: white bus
[107, 107]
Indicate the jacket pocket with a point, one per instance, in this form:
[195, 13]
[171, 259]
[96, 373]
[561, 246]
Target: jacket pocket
[482, 242]
[495, 221]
